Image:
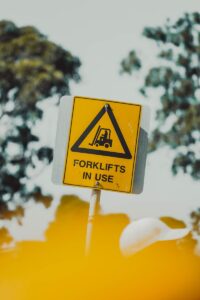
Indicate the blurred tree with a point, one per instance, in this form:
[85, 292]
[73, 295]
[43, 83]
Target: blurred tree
[32, 68]
[131, 63]
[195, 216]
[5, 237]
[176, 76]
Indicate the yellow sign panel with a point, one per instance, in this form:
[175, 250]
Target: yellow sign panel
[102, 144]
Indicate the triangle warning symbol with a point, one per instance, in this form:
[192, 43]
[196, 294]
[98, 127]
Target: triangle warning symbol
[102, 139]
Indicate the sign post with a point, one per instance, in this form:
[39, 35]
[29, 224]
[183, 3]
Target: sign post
[100, 144]
[94, 207]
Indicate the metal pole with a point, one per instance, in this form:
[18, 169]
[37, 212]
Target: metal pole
[93, 210]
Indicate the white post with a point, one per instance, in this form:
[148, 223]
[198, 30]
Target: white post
[93, 210]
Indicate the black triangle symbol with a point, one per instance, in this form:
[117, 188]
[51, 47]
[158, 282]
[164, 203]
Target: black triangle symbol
[106, 109]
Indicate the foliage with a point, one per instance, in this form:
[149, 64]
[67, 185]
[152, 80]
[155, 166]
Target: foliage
[5, 237]
[32, 68]
[195, 217]
[131, 63]
[176, 76]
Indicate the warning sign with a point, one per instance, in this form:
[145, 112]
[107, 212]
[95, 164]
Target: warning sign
[106, 140]
[102, 144]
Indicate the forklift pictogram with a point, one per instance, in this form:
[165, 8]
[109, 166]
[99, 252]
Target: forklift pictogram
[102, 138]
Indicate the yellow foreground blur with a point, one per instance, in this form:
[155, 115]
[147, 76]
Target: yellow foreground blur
[58, 269]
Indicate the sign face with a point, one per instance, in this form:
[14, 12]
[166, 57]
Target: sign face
[102, 144]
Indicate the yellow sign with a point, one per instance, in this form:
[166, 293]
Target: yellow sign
[102, 144]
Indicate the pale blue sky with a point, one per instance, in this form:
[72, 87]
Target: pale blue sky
[101, 33]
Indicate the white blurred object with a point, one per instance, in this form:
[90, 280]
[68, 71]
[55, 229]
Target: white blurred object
[144, 232]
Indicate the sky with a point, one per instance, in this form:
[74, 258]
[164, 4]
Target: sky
[101, 33]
